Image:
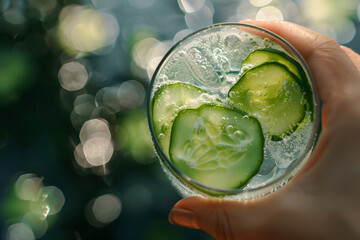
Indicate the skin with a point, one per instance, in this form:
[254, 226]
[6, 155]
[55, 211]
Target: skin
[323, 200]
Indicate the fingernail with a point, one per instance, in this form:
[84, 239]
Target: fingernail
[184, 218]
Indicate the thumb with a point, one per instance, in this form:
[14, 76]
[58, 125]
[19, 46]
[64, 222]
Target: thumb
[223, 219]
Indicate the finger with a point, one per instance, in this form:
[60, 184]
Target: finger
[333, 70]
[353, 56]
[221, 218]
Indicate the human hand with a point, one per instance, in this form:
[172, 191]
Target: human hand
[323, 200]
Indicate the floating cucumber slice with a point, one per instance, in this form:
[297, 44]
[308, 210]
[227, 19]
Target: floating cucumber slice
[264, 55]
[272, 94]
[167, 102]
[218, 147]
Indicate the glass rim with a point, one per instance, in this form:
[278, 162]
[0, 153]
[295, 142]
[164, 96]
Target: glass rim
[274, 184]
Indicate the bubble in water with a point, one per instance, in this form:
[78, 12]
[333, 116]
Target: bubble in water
[163, 77]
[217, 51]
[203, 65]
[303, 101]
[246, 117]
[229, 128]
[182, 53]
[165, 127]
[161, 136]
[232, 94]
[224, 63]
[232, 41]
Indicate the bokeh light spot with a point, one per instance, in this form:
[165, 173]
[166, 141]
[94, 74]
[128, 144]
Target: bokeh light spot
[20, 231]
[38, 225]
[95, 128]
[141, 50]
[269, 13]
[98, 150]
[108, 97]
[199, 19]
[14, 16]
[96, 141]
[153, 64]
[27, 186]
[106, 208]
[181, 34]
[84, 104]
[345, 30]
[131, 94]
[191, 5]
[245, 10]
[260, 3]
[50, 201]
[72, 76]
[80, 157]
[86, 29]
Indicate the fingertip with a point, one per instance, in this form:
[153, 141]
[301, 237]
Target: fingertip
[183, 218]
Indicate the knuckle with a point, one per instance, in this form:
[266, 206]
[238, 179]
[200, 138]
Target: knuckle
[224, 231]
[324, 48]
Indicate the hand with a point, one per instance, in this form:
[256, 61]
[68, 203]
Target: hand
[323, 200]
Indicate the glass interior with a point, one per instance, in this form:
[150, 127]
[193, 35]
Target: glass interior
[230, 44]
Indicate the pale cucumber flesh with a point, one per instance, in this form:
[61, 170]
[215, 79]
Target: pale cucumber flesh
[167, 102]
[216, 146]
[271, 93]
[267, 55]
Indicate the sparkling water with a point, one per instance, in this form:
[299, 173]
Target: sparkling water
[211, 60]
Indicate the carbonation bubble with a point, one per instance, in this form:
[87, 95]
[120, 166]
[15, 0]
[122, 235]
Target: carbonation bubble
[161, 136]
[232, 41]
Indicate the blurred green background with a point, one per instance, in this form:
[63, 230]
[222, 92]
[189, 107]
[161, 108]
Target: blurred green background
[76, 157]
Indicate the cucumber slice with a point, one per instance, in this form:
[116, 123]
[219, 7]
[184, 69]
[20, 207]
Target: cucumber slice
[167, 102]
[264, 55]
[216, 146]
[272, 94]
